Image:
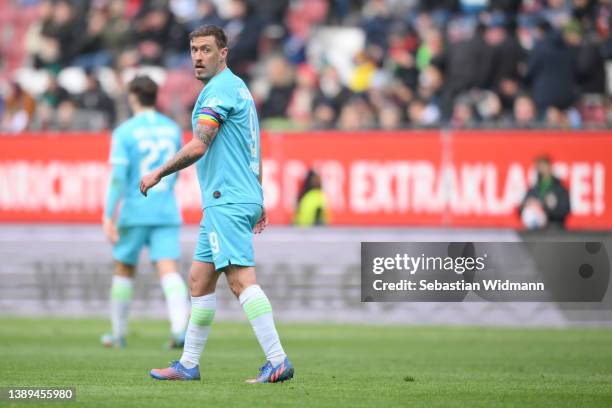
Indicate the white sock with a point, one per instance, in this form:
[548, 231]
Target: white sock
[202, 315]
[259, 311]
[177, 302]
[122, 291]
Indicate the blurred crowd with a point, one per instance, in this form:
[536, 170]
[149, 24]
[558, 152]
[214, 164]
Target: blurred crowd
[320, 64]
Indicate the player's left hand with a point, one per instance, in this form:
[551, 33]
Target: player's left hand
[110, 230]
[262, 223]
[148, 181]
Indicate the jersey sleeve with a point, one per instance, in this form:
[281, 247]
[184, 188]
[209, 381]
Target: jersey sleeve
[217, 104]
[118, 152]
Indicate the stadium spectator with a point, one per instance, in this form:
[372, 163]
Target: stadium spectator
[243, 29]
[422, 114]
[18, 110]
[467, 65]
[61, 32]
[311, 203]
[389, 117]
[488, 107]
[401, 61]
[95, 100]
[159, 36]
[206, 14]
[42, 50]
[350, 118]
[272, 12]
[430, 84]
[323, 116]
[508, 61]
[376, 19]
[64, 118]
[507, 7]
[463, 112]
[551, 72]
[117, 29]
[364, 71]
[524, 111]
[281, 80]
[331, 89]
[55, 94]
[303, 96]
[558, 13]
[547, 203]
[431, 50]
[588, 59]
[48, 104]
[90, 51]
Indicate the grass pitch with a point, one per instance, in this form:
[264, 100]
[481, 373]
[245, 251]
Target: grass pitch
[336, 366]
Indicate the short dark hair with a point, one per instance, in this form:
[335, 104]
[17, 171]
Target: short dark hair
[212, 30]
[543, 158]
[145, 90]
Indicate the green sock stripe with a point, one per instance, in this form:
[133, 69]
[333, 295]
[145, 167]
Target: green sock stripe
[121, 292]
[177, 289]
[202, 312]
[201, 316]
[257, 302]
[260, 313]
[257, 307]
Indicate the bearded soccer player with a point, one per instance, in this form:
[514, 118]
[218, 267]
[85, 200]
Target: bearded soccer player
[139, 145]
[225, 148]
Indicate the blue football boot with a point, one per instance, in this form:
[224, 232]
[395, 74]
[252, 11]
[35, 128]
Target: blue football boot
[176, 372]
[269, 374]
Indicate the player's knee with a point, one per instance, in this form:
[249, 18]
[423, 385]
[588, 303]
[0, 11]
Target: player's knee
[239, 282]
[122, 269]
[236, 287]
[199, 286]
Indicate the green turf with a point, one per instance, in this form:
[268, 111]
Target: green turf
[336, 366]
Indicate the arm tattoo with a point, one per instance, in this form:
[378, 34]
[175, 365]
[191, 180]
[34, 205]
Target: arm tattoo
[206, 134]
[190, 153]
[179, 162]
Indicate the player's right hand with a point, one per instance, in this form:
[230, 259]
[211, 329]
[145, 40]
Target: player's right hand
[262, 223]
[149, 181]
[110, 229]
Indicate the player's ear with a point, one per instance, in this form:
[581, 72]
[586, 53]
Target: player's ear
[224, 53]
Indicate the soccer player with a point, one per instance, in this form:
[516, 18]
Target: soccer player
[225, 148]
[139, 145]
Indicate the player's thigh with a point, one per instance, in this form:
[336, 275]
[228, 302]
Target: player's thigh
[164, 248]
[130, 243]
[229, 229]
[202, 278]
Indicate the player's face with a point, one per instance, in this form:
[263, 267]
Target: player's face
[206, 57]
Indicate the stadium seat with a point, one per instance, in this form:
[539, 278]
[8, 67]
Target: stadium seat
[34, 81]
[158, 74]
[108, 80]
[72, 79]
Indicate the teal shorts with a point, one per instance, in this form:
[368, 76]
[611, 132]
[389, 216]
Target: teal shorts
[226, 235]
[163, 243]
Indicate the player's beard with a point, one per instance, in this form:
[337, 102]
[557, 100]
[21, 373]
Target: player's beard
[205, 75]
[201, 76]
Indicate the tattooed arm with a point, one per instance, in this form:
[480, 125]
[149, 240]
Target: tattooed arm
[189, 154]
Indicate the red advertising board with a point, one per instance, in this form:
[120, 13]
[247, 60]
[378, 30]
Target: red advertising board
[404, 178]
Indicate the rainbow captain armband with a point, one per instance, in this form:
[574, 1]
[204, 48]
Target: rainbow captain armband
[209, 117]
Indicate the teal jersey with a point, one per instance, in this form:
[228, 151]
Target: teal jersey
[142, 144]
[229, 171]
